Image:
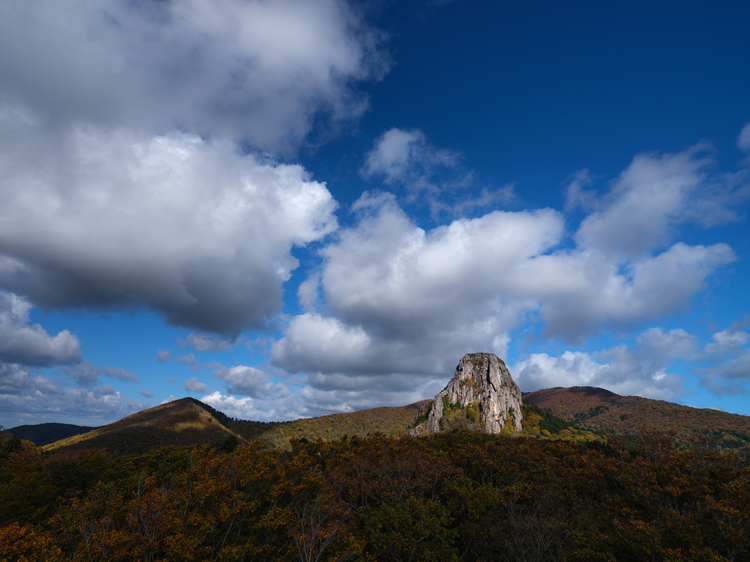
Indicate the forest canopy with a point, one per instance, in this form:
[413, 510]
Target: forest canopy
[451, 496]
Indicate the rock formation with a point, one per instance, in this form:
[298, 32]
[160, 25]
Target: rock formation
[481, 396]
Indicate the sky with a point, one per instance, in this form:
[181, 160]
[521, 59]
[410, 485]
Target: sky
[293, 208]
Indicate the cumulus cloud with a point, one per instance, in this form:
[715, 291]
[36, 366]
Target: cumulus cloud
[399, 293]
[581, 291]
[728, 356]
[640, 369]
[188, 359]
[30, 344]
[103, 219]
[316, 344]
[392, 298]
[729, 377]
[87, 375]
[730, 340]
[240, 408]
[343, 392]
[403, 156]
[249, 381]
[205, 342]
[654, 195]
[430, 174]
[195, 386]
[16, 379]
[145, 392]
[260, 71]
[163, 355]
[30, 398]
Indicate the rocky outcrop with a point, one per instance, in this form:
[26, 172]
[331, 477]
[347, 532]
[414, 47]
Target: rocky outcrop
[481, 396]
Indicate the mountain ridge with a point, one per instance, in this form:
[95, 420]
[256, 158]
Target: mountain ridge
[601, 410]
[180, 422]
[188, 421]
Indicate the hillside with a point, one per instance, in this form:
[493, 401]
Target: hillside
[601, 410]
[388, 421]
[182, 422]
[46, 433]
[190, 422]
[571, 414]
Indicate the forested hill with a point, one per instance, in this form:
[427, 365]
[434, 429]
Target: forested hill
[46, 433]
[191, 422]
[561, 413]
[450, 496]
[599, 409]
[182, 422]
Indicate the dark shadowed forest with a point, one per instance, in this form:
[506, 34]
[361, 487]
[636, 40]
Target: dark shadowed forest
[451, 496]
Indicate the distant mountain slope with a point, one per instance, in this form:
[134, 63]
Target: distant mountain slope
[182, 422]
[388, 421]
[190, 422]
[599, 409]
[46, 433]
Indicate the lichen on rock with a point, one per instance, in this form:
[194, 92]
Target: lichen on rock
[481, 396]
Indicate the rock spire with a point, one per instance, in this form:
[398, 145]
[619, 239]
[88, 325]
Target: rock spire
[481, 396]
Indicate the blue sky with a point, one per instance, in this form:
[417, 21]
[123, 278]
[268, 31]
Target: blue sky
[294, 208]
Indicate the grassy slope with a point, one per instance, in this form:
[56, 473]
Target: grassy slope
[599, 409]
[182, 422]
[388, 421]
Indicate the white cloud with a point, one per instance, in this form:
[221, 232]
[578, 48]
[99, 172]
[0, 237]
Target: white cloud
[30, 344]
[87, 375]
[16, 379]
[345, 392]
[249, 381]
[728, 358]
[639, 370]
[205, 342]
[195, 386]
[120, 374]
[728, 377]
[163, 355]
[581, 291]
[653, 197]
[145, 392]
[240, 408]
[84, 374]
[648, 199]
[405, 156]
[187, 227]
[394, 299]
[576, 194]
[36, 399]
[743, 140]
[431, 175]
[730, 340]
[250, 69]
[399, 293]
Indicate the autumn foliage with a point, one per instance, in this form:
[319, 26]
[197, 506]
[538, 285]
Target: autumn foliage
[452, 496]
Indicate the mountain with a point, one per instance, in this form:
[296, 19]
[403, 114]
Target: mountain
[481, 396]
[182, 422]
[578, 413]
[601, 410]
[46, 433]
[391, 421]
[189, 422]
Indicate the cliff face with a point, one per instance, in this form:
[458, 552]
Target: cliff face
[481, 396]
